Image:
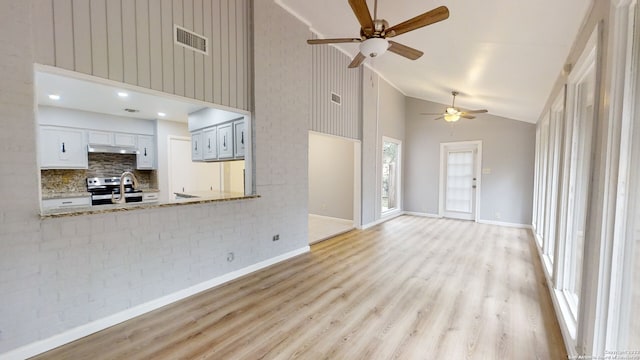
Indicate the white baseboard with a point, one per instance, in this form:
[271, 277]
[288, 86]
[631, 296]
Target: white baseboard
[415, 213]
[506, 224]
[341, 220]
[381, 220]
[68, 336]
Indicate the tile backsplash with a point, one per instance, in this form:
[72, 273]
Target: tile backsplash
[100, 165]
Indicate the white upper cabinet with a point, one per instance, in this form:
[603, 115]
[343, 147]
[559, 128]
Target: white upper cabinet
[146, 158]
[239, 130]
[225, 141]
[62, 148]
[209, 143]
[196, 146]
[111, 138]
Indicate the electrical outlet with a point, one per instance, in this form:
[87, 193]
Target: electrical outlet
[276, 237]
[230, 257]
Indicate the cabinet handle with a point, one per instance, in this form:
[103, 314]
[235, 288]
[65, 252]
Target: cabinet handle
[196, 146]
[242, 138]
[64, 150]
[209, 144]
[145, 151]
[224, 141]
[67, 202]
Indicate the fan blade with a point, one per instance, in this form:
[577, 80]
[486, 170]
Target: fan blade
[359, 59]
[430, 113]
[467, 116]
[476, 111]
[333, 41]
[439, 117]
[361, 11]
[403, 50]
[428, 18]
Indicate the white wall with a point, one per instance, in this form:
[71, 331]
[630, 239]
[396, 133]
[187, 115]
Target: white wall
[57, 274]
[508, 149]
[331, 176]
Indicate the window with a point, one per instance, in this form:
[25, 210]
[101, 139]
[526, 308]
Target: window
[390, 175]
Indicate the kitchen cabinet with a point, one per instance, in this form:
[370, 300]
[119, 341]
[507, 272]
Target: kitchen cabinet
[196, 146]
[150, 197]
[209, 143]
[146, 158]
[64, 203]
[62, 148]
[111, 138]
[225, 141]
[239, 139]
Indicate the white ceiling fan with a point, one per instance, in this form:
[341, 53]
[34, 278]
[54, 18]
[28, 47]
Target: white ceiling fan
[453, 114]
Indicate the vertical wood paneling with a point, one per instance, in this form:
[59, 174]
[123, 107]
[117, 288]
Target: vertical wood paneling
[63, 34]
[217, 50]
[99, 50]
[42, 33]
[198, 57]
[224, 50]
[132, 41]
[129, 39]
[142, 46]
[233, 98]
[240, 59]
[208, 60]
[178, 51]
[155, 44]
[189, 58]
[330, 74]
[81, 15]
[167, 46]
[114, 40]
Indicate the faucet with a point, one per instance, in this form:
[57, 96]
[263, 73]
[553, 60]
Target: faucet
[134, 181]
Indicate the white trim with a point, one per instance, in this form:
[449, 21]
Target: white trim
[341, 220]
[380, 221]
[478, 174]
[68, 336]
[415, 213]
[505, 224]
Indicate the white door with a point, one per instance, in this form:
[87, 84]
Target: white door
[459, 167]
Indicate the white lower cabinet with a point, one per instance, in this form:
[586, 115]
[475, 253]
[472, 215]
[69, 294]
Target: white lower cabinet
[62, 148]
[64, 203]
[150, 197]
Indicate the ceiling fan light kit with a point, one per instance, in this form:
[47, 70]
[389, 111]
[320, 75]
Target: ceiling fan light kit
[374, 32]
[453, 114]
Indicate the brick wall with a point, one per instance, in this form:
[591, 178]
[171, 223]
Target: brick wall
[57, 274]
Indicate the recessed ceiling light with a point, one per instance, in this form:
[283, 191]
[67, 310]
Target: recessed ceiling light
[54, 97]
[123, 94]
[161, 114]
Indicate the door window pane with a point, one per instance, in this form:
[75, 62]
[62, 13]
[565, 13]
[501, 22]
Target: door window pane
[459, 181]
[390, 175]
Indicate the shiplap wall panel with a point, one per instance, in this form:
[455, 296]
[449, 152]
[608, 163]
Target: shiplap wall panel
[63, 34]
[330, 74]
[168, 81]
[81, 15]
[114, 40]
[199, 60]
[129, 43]
[43, 35]
[178, 51]
[142, 43]
[224, 49]
[99, 52]
[132, 41]
[155, 44]
[189, 65]
[207, 25]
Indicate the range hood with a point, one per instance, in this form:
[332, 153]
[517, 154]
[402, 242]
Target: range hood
[111, 149]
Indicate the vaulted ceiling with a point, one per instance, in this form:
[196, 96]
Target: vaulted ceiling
[502, 55]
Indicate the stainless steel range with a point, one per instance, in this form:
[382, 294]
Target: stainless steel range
[102, 188]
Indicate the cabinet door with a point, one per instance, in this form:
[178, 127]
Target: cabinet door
[100, 138]
[62, 148]
[225, 141]
[128, 140]
[196, 146]
[146, 158]
[209, 143]
[240, 138]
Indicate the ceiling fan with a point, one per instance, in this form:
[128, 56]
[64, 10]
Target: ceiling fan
[452, 113]
[374, 32]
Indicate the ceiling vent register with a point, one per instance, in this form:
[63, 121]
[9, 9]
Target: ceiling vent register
[191, 40]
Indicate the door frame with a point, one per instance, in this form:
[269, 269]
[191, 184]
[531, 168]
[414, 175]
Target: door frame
[443, 146]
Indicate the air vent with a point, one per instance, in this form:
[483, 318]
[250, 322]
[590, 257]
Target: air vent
[191, 40]
[335, 98]
[129, 110]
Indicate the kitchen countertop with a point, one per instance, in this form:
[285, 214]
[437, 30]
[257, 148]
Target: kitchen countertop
[101, 209]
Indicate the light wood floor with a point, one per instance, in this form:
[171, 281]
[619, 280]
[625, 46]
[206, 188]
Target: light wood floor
[411, 288]
[322, 227]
